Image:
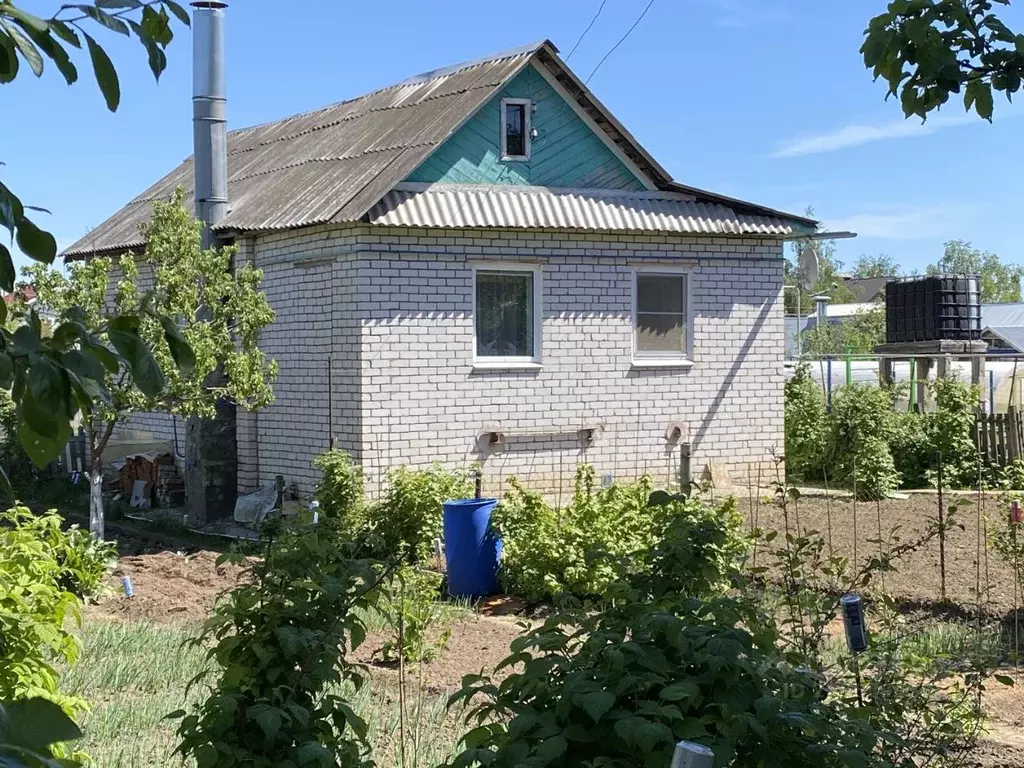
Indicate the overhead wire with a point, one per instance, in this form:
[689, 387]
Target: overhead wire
[620, 42]
[585, 31]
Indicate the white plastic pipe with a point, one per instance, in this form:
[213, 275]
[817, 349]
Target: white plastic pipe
[690, 755]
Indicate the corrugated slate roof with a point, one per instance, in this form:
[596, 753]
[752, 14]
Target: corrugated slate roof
[507, 206]
[332, 165]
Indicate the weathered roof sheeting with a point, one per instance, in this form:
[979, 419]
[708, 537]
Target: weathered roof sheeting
[501, 206]
[1012, 335]
[335, 163]
[329, 165]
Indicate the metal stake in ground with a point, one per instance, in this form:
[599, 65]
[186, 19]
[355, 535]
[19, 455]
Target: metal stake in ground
[856, 562]
[856, 635]
[828, 512]
[942, 535]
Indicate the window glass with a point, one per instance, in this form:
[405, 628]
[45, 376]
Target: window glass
[504, 314]
[515, 130]
[660, 321]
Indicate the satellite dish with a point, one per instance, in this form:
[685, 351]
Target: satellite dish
[807, 268]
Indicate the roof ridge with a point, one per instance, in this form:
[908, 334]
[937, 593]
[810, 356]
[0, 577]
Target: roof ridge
[423, 77]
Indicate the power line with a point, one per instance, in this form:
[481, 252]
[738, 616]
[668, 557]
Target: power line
[621, 41]
[589, 27]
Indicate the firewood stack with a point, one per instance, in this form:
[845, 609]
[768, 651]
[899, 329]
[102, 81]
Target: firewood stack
[158, 473]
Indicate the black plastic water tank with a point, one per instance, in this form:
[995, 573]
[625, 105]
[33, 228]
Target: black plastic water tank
[934, 308]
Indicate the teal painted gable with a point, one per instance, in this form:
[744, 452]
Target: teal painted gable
[565, 152]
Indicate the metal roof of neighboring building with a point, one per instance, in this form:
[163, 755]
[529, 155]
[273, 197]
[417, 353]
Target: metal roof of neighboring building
[332, 165]
[482, 206]
[1002, 315]
[865, 288]
[1013, 335]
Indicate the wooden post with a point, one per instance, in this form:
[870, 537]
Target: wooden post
[924, 366]
[1013, 441]
[885, 371]
[979, 380]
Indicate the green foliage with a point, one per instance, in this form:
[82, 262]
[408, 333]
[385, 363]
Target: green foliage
[879, 265]
[622, 686]
[36, 608]
[805, 426]
[85, 561]
[280, 643]
[30, 731]
[414, 617]
[998, 282]
[578, 550]
[858, 334]
[51, 378]
[16, 463]
[927, 50]
[911, 449]
[949, 432]
[340, 492]
[409, 518]
[860, 427]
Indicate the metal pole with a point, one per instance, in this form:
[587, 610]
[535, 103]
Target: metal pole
[209, 115]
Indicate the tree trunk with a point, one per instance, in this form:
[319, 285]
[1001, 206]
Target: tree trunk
[97, 446]
[96, 500]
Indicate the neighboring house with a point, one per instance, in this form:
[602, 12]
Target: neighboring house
[1002, 326]
[481, 264]
[797, 325]
[866, 289]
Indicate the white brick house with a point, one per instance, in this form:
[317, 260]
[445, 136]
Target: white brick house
[482, 265]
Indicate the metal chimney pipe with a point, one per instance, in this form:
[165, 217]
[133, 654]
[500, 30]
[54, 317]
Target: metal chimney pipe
[209, 115]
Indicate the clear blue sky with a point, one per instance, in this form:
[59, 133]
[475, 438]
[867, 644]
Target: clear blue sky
[765, 100]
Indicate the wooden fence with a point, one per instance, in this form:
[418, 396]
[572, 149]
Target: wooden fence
[1000, 437]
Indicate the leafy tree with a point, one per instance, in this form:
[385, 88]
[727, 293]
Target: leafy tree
[999, 282]
[928, 50]
[829, 278]
[880, 265]
[200, 312]
[859, 334]
[52, 377]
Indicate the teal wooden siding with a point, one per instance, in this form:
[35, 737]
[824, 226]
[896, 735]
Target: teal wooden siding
[565, 153]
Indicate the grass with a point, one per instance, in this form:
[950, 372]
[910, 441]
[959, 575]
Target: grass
[134, 673]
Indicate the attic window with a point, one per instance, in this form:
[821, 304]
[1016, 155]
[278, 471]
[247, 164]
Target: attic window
[515, 129]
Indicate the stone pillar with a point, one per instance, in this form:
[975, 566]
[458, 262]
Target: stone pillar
[211, 472]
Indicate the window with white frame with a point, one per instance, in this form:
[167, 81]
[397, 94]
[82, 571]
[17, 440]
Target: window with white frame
[507, 313]
[661, 321]
[515, 129]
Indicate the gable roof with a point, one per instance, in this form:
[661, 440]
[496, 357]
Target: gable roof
[1011, 335]
[332, 165]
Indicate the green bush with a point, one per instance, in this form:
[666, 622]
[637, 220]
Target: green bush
[279, 643]
[416, 620]
[860, 428]
[340, 492]
[578, 550]
[408, 520]
[36, 609]
[949, 433]
[622, 686]
[804, 424]
[911, 451]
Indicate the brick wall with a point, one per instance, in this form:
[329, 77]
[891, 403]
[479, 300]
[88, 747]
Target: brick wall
[392, 308]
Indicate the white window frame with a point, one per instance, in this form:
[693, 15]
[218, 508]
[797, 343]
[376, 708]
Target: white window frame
[509, 361]
[647, 359]
[527, 138]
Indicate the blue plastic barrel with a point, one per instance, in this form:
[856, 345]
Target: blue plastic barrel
[471, 547]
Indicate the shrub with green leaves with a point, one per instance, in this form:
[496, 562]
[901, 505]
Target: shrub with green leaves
[416, 620]
[622, 686]
[37, 609]
[340, 491]
[280, 644]
[804, 424]
[949, 432]
[408, 519]
[910, 446]
[860, 427]
[578, 550]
